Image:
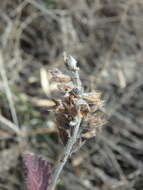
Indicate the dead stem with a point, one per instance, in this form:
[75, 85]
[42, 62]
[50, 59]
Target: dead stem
[67, 153]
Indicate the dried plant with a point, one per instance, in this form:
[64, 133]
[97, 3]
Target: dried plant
[79, 115]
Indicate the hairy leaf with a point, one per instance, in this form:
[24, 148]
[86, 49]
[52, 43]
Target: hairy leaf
[37, 172]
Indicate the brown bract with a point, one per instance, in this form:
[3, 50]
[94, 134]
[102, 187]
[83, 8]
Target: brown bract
[58, 76]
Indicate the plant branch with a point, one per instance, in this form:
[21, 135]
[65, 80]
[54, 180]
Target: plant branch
[66, 155]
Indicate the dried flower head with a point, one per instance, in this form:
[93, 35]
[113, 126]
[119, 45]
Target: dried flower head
[74, 103]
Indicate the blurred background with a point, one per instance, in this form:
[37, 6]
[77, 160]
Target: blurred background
[106, 37]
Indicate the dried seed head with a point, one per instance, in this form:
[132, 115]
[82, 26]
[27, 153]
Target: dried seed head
[74, 104]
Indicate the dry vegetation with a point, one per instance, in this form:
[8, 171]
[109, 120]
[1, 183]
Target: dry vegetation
[106, 36]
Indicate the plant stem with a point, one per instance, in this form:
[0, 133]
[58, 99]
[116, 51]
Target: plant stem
[67, 153]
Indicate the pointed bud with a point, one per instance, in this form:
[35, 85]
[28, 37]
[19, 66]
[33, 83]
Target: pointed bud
[70, 62]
